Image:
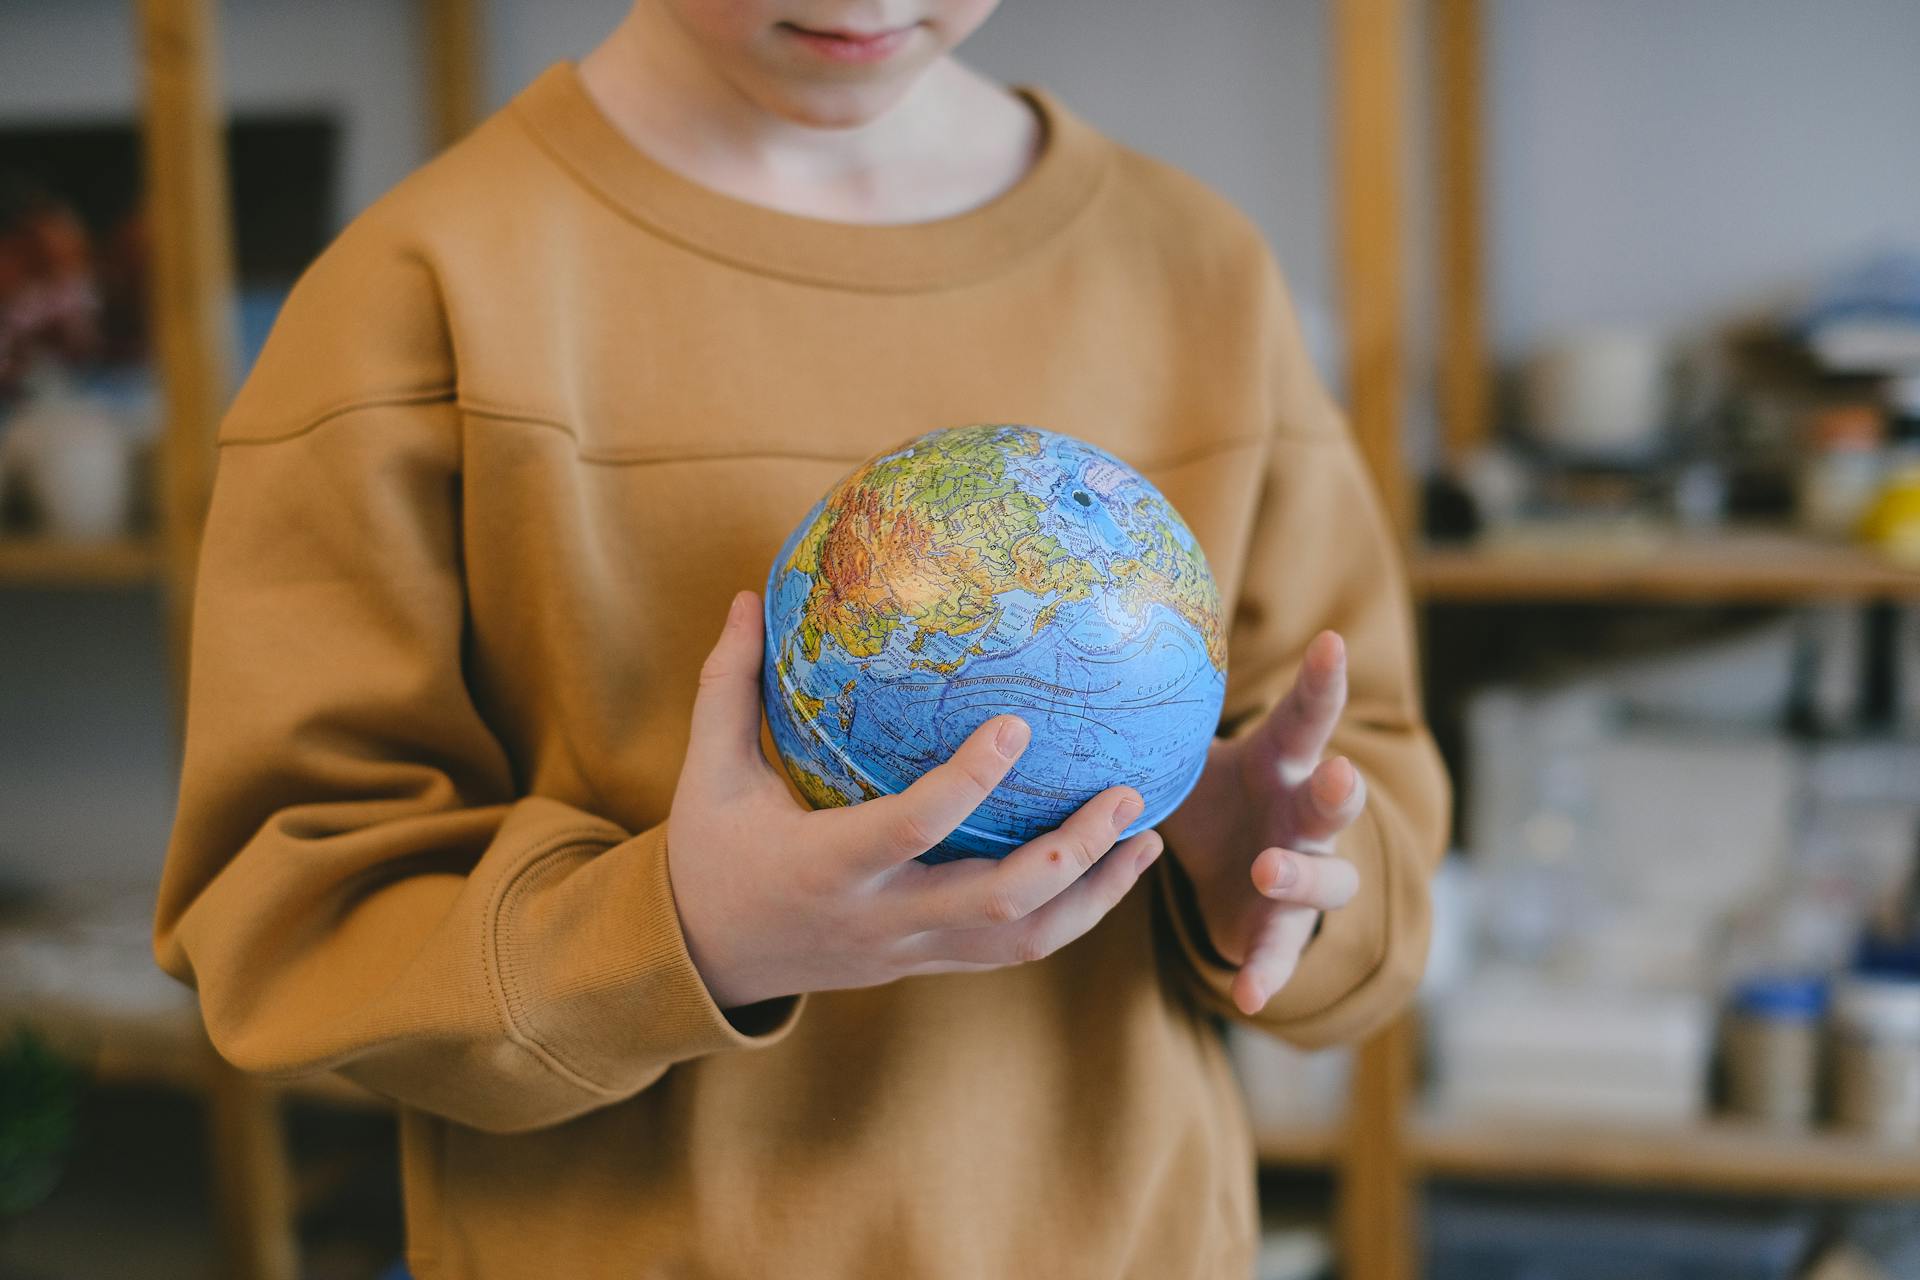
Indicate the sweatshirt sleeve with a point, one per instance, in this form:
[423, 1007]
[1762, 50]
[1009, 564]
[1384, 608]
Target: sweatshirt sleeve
[1323, 554]
[353, 881]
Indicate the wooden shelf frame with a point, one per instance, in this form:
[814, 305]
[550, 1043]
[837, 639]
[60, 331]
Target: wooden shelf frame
[1716, 1156]
[183, 144]
[56, 562]
[1753, 565]
[1385, 1146]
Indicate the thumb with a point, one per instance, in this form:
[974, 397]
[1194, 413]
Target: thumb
[725, 733]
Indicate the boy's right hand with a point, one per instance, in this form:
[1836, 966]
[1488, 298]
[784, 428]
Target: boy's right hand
[776, 899]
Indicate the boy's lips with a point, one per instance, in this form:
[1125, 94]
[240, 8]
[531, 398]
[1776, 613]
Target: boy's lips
[850, 46]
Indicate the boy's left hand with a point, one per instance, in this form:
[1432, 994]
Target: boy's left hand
[1256, 835]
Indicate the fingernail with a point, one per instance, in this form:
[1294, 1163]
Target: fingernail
[1147, 856]
[738, 609]
[1288, 873]
[1126, 811]
[1011, 738]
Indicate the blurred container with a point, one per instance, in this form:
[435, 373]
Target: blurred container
[1841, 469]
[74, 459]
[1510, 1044]
[1772, 1047]
[1892, 521]
[1875, 1029]
[1601, 394]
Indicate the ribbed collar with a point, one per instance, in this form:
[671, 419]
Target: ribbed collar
[891, 257]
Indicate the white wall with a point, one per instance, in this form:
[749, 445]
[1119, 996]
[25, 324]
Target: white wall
[1665, 161]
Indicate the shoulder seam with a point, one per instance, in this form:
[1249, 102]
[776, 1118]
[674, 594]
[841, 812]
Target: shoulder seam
[714, 455]
[425, 395]
[448, 394]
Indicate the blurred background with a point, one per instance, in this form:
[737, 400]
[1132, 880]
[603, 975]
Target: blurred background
[1623, 299]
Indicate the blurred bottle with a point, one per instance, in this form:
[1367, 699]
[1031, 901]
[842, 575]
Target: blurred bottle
[1892, 522]
[1841, 468]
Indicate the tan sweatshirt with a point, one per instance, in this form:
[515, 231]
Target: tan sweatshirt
[518, 436]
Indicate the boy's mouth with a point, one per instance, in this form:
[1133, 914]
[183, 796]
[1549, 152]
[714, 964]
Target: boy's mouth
[850, 46]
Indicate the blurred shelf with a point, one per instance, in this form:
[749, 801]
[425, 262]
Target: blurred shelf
[1719, 1156]
[77, 969]
[1636, 562]
[1295, 1147]
[43, 561]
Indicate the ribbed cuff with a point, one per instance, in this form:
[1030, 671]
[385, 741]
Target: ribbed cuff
[613, 996]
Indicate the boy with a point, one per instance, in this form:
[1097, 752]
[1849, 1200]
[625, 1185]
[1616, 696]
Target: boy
[476, 811]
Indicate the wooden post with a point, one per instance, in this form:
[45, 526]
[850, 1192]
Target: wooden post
[1465, 389]
[1376, 1220]
[1376, 1223]
[454, 52]
[1369, 114]
[192, 303]
[189, 211]
[253, 1184]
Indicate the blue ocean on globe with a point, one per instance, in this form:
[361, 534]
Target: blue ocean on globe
[987, 569]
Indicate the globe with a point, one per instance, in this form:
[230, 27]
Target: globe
[979, 570]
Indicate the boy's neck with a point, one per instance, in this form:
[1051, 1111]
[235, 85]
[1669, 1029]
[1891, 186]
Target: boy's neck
[954, 140]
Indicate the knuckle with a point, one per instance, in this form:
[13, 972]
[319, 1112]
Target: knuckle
[1085, 849]
[715, 670]
[911, 831]
[974, 769]
[1000, 906]
[1033, 945]
[1308, 883]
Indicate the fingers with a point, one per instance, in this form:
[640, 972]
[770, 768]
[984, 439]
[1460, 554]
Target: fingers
[725, 732]
[1298, 728]
[1307, 884]
[889, 830]
[1271, 961]
[1333, 796]
[1300, 879]
[1064, 917]
[979, 893]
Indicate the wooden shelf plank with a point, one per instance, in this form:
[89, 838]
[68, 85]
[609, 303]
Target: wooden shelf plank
[1304, 1146]
[1719, 1156]
[1746, 565]
[45, 561]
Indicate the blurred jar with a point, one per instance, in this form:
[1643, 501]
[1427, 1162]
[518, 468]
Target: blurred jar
[1875, 1028]
[1840, 468]
[1601, 393]
[1771, 1040]
[73, 460]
